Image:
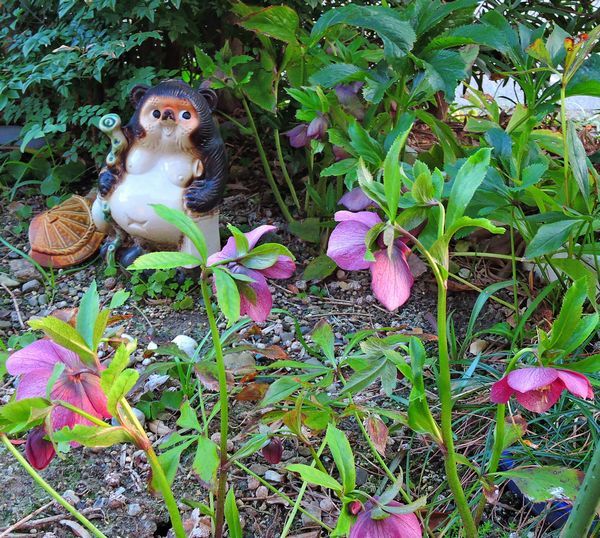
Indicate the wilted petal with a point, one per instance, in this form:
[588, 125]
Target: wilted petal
[526, 379]
[355, 200]
[347, 246]
[260, 308]
[576, 383]
[39, 451]
[501, 391]
[394, 526]
[541, 400]
[40, 356]
[284, 267]
[368, 218]
[339, 153]
[391, 278]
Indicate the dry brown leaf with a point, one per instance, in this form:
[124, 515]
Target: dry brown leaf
[378, 432]
[252, 392]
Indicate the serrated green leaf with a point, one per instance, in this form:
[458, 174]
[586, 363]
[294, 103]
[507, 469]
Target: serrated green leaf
[188, 417]
[206, 460]
[118, 363]
[93, 436]
[342, 456]
[122, 384]
[228, 296]
[87, 314]
[279, 390]
[232, 516]
[65, 335]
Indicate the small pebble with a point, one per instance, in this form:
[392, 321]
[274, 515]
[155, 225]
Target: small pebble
[134, 509]
[70, 496]
[326, 504]
[110, 283]
[30, 286]
[261, 492]
[253, 483]
[273, 476]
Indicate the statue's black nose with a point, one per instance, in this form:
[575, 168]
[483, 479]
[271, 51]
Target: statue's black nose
[168, 114]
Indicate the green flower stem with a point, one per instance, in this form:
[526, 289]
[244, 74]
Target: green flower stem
[50, 490]
[499, 432]
[488, 255]
[445, 389]
[91, 418]
[586, 504]
[284, 170]
[224, 410]
[282, 495]
[297, 507]
[265, 162]
[564, 126]
[158, 474]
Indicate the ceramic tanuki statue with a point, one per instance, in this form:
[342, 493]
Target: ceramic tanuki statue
[169, 153]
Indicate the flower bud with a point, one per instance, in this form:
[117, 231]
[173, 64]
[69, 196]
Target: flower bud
[355, 507]
[317, 128]
[39, 451]
[273, 451]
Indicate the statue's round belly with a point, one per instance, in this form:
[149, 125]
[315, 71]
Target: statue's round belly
[130, 207]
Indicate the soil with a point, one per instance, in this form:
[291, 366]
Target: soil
[110, 485]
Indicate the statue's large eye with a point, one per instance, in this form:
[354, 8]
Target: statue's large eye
[186, 115]
[156, 113]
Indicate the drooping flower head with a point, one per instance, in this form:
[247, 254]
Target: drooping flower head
[391, 279]
[297, 136]
[538, 389]
[273, 451]
[78, 384]
[259, 305]
[347, 95]
[356, 200]
[392, 526]
[317, 128]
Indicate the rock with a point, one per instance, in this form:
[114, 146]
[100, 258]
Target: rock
[110, 283]
[134, 509]
[42, 299]
[300, 284]
[326, 504]
[261, 492]
[240, 363]
[113, 479]
[361, 476]
[273, 476]
[32, 301]
[146, 362]
[70, 496]
[186, 344]
[313, 509]
[22, 270]
[464, 272]
[152, 346]
[5, 324]
[5, 280]
[341, 274]
[30, 285]
[258, 468]
[253, 483]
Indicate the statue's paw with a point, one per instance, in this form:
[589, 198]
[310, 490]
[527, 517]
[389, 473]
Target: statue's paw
[106, 181]
[128, 255]
[198, 199]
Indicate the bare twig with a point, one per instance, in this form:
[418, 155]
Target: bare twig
[24, 520]
[15, 302]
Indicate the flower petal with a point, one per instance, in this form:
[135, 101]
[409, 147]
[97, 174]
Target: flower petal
[40, 355]
[391, 278]
[259, 309]
[347, 245]
[39, 451]
[394, 526]
[576, 383]
[229, 251]
[501, 391]
[284, 267]
[526, 379]
[33, 385]
[539, 401]
[368, 218]
[355, 200]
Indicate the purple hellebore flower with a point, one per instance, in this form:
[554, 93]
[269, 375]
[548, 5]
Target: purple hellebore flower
[356, 200]
[297, 136]
[78, 384]
[339, 153]
[347, 93]
[272, 452]
[538, 389]
[391, 276]
[393, 526]
[259, 307]
[317, 128]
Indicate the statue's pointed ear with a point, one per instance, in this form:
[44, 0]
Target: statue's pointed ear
[210, 97]
[137, 93]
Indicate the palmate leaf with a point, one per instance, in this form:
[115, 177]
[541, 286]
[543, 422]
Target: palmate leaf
[279, 22]
[545, 483]
[396, 33]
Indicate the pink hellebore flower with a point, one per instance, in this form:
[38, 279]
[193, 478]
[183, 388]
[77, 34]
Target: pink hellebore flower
[538, 389]
[391, 276]
[317, 128]
[78, 384]
[393, 526]
[284, 267]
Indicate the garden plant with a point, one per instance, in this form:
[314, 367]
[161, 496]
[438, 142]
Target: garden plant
[400, 335]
